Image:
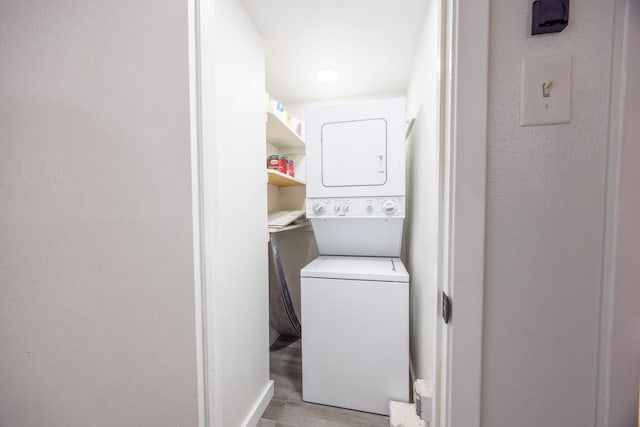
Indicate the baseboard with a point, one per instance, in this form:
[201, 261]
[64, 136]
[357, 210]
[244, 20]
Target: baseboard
[412, 378]
[259, 407]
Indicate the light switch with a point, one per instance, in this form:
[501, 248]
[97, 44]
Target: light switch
[545, 92]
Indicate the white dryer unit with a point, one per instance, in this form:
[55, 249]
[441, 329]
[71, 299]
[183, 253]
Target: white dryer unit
[355, 332]
[356, 177]
[356, 150]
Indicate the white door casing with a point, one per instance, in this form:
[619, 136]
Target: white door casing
[465, 56]
[617, 398]
[201, 14]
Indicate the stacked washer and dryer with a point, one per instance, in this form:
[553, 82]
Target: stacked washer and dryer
[355, 295]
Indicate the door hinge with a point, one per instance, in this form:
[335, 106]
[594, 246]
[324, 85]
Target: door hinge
[446, 307]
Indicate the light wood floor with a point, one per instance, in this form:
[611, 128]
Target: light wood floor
[287, 408]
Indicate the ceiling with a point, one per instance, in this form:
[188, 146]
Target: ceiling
[370, 43]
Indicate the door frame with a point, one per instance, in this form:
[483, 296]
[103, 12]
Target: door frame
[619, 74]
[202, 123]
[464, 94]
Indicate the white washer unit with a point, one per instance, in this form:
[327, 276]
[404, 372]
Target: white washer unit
[355, 322]
[356, 177]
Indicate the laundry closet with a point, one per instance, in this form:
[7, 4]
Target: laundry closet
[341, 285]
[407, 215]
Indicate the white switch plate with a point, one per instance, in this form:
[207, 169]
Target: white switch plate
[535, 109]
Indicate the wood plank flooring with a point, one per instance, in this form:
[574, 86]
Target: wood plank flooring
[287, 408]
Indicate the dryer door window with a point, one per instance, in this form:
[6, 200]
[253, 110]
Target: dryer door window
[354, 153]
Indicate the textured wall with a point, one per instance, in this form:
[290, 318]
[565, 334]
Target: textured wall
[544, 230]
[96, 268]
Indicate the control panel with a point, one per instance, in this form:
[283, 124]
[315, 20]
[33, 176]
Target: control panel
[360, 207]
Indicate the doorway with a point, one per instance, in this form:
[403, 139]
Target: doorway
[461, 50]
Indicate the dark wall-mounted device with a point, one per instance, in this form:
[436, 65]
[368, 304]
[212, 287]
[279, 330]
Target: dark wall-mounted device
[549, 16]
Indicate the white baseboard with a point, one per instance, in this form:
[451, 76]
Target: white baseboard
[412, 376]
[259, 407]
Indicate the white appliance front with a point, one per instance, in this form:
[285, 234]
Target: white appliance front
[354, 153]
[356, 150]
[360, 226]
[355, 332]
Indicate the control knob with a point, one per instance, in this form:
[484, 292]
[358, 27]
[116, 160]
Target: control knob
[389, 207]
[319, 208]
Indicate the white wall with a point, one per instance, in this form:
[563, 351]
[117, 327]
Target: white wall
[544, 230]
[423, 169]
[96, 266]
[423, 87]
[240, 254]
[624, 362]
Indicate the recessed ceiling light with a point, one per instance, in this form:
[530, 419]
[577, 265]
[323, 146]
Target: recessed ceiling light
[327, 75]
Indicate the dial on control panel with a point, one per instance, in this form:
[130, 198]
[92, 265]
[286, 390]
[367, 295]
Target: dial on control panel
[389, 207]
[319, 208]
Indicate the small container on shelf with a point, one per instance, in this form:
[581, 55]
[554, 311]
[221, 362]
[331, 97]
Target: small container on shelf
[273, 162]
[290, 168]
[279, 163]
